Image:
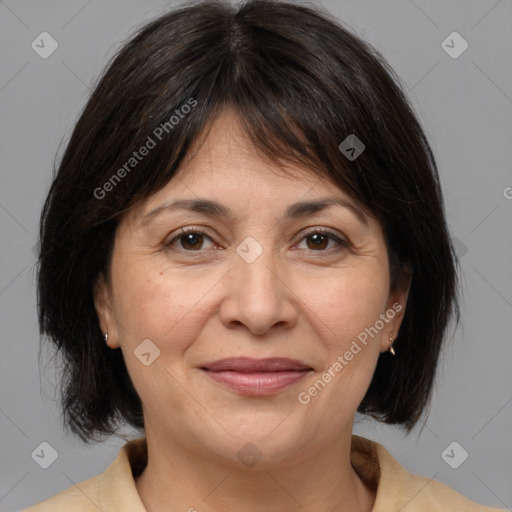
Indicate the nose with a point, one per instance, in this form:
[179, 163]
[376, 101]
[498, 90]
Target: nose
[259, 296]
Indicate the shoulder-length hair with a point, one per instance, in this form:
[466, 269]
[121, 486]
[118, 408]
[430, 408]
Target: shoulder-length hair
[300, 84]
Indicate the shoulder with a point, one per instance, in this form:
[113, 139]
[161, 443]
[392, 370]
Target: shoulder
[114, 489]
[397, 489]
[83, 496]
[422, 493]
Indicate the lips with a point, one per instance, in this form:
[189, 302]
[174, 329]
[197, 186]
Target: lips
[248, 365]
[256, 377]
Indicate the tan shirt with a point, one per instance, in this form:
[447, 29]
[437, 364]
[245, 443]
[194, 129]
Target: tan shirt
[397, 490]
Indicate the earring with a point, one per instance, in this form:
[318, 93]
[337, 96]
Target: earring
[391, 349]
[106, 336]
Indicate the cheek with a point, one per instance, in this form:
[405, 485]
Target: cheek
[158, 304]
[342, 313]
[157, 308]
[347, 303]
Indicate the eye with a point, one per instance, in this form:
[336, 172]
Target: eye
[319, 239]
[191, 239]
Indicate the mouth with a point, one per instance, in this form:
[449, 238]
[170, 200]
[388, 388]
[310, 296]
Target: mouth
[256, 377]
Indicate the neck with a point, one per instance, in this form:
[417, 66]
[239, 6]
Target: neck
[322, 480]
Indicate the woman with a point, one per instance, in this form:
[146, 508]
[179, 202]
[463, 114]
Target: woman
[245, 245]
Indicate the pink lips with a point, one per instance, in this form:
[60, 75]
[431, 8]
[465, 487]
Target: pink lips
[254, 377]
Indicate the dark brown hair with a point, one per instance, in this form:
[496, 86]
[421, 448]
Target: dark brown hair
[300, 84]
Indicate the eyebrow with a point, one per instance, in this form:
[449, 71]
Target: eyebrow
[214, 209]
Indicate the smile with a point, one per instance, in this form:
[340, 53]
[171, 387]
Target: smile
[256, 377]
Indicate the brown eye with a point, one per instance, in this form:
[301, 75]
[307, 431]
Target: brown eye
[191, 240]
[318, 241]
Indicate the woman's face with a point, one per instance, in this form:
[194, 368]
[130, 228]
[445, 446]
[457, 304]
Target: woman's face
[263, 281]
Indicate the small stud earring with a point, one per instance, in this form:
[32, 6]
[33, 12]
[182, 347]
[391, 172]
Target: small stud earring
[391, 349]
[106, 336]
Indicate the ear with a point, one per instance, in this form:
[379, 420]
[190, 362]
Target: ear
[395, 308]
[103, 306]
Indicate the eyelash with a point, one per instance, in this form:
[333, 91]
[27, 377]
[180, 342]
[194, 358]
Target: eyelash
[192, 230]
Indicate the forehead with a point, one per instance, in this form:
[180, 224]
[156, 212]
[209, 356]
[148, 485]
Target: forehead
[223, 166]
[223, 143]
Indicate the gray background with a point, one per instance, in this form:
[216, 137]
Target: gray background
[465, 106]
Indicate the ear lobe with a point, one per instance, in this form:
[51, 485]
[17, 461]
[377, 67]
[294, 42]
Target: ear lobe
[102, 305]
[397, 302]
[405, 286]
